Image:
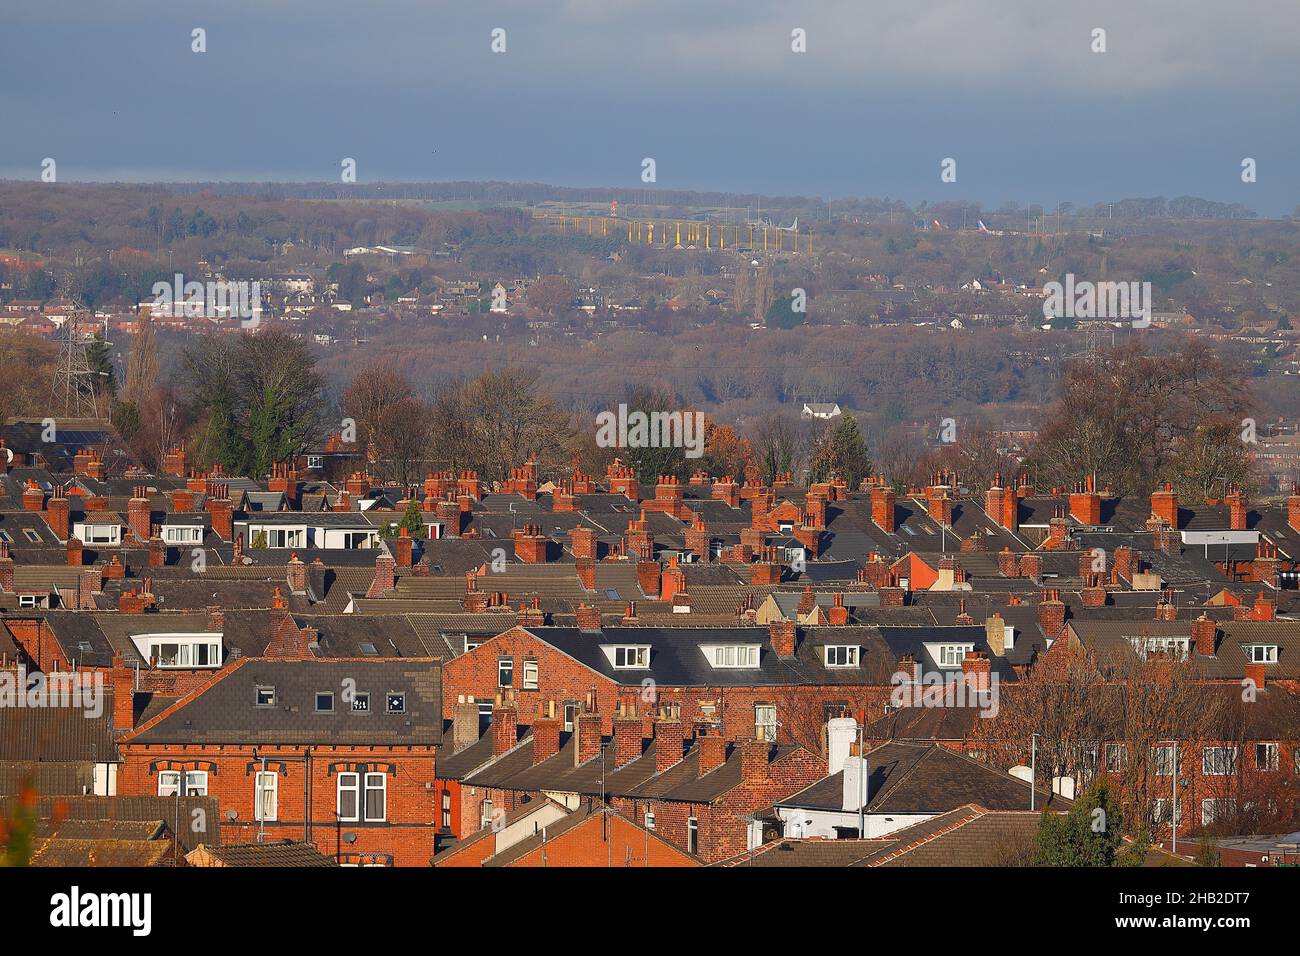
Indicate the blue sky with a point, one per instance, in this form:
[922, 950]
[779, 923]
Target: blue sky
[709, 88]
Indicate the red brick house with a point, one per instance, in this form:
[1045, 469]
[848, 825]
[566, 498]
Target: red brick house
[779, 682]
[691, 786]
[337, 753]
[543, 833]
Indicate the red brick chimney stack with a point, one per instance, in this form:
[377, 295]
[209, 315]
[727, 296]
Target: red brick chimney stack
[713, 750]
[56, 513]
[588, 733]
[546, 733]
[883, 501]
[385, 576]
[505, 725]
[1236, 510]
[753, 761]
[1205, 636]
[1051, 614]
[122, 680]
[1085, 503]
[668, 743]
[221, 510]
[628, 729]
[783, 634]
[1164, 505]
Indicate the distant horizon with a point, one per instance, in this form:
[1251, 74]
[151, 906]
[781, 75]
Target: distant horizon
[914, 203]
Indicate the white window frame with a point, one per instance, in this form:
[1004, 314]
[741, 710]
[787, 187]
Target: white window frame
[841, 655]
[280, 537]
[1177, 647]
[1119, 752]
[348, 782]
[195, 783]
[109, 534]
[649, 819]
[505, 665]
[734, 656]
[187, 652]
[532, 674]
[631, 657]
[951, 655]
[693, 835]
[369, 787]
[1214, 807]
[182, 534]
[1209, 763]
[765, 722]
[1274, 760]
[266, 795]
[1261, 653]
[1161, 767]
[1162, 807]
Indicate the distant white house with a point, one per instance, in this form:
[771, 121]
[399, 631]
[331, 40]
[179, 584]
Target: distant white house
[820, 410]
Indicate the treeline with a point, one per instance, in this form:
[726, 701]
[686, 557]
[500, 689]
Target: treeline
[78, 220]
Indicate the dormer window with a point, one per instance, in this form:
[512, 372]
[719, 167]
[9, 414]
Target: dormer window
[732, 655]
[632, 657]
[265, 696]
[1175, 647]
[951, 655]
[841, 655]
[181, 650]
[182, 534]
[1261, 653]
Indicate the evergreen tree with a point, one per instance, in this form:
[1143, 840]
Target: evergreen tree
[841, 451]
[1089, 835]
[100, 359]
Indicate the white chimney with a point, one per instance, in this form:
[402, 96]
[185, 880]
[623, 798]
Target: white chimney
[841, 733]
[857, 782]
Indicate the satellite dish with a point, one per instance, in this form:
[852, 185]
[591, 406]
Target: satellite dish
[9, 455]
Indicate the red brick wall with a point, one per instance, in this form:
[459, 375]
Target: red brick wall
[560, 678]
[586, 845]
[413, 812]
[722, 829]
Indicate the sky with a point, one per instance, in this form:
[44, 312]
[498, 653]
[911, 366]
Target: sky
[710, 89]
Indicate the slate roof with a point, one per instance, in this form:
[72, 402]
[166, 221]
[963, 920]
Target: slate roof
[967, 836]
[677, 658]
[59, 734]
[226, 710]
[281, 853]
[911, 778]
[111, 852]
